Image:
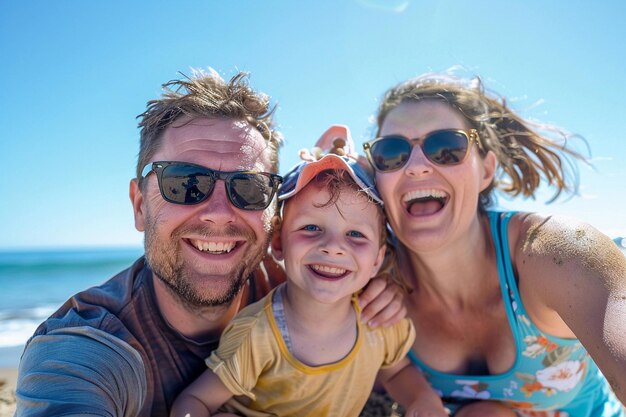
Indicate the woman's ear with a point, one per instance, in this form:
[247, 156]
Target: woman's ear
[276, 243]
[489, 162]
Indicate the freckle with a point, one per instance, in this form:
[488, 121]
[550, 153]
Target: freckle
[613, 382]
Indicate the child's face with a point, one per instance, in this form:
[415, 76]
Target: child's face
[330, 250]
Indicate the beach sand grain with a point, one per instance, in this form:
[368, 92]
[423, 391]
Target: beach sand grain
[8, 377]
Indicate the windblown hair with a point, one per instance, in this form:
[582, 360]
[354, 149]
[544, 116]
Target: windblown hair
[206, 95]
[527, 152]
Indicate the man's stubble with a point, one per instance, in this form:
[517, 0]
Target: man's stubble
[165, 260]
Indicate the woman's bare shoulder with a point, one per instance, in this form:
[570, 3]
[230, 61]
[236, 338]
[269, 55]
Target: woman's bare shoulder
[562, 262]
[559, 238]
[565, 252]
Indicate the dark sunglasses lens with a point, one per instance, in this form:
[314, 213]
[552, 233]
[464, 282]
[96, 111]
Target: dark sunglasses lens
[250, 191]
[185, 184]
[390, 153]
[446, 147]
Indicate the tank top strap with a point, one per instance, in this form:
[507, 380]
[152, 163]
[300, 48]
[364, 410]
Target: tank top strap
[499, 223]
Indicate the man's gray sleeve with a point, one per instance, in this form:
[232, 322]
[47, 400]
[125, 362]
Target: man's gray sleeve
[80, 371]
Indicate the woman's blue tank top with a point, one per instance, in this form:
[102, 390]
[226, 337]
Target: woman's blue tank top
[549, 374]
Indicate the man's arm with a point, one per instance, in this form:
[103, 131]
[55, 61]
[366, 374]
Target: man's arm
[79, 371]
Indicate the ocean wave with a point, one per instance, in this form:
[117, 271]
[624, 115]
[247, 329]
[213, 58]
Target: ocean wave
[36, 283]
[16, 326]
[34, 313]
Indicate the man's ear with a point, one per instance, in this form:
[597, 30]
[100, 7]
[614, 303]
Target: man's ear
[380, 258]
[136, 199]
[489, 169]
[277, 242]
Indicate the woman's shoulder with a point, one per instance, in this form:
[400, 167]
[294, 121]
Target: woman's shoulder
[557, 252]
[558, 238]
[559, 262]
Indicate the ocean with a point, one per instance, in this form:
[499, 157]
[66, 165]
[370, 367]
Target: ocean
[35, 283]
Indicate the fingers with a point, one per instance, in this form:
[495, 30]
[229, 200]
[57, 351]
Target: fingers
[382, 303]
[391, 318]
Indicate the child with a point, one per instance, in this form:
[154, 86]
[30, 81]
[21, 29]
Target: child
[302, 350]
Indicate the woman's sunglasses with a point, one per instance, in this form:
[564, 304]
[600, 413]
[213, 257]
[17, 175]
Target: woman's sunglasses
[442, 147]
[185, 183]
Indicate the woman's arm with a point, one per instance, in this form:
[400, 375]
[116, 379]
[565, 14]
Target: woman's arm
[573, 279]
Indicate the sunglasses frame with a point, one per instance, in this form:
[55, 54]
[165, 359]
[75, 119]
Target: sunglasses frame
[471, 136]
[159, 166]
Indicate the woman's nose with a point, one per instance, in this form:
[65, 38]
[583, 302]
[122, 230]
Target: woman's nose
[418, 164]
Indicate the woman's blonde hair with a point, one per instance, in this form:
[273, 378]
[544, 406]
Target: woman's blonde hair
[527, 152]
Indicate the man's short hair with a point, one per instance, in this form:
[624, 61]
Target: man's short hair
[206, 94]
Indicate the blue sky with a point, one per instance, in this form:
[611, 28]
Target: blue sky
[76, 73]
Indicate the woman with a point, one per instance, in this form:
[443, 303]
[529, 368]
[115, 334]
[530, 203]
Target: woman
[507, 306]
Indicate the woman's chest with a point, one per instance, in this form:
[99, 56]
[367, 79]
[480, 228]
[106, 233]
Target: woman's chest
[472, 343]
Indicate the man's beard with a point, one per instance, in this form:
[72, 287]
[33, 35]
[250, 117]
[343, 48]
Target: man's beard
[164, 258]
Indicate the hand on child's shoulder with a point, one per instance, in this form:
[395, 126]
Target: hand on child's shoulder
[382, 303]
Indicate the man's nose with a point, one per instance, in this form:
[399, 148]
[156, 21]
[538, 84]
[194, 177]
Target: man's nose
[217, 208]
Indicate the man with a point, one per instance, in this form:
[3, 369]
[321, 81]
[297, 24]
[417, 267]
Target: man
[204, 196]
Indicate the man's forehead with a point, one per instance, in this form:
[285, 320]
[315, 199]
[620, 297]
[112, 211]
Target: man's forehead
[217, 139]
[219, 128]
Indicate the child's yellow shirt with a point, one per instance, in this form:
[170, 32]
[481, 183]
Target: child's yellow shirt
[254, 363]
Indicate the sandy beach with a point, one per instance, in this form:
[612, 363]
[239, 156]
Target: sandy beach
[7, 391]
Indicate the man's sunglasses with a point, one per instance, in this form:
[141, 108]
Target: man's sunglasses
[441, 147]
[185, 183]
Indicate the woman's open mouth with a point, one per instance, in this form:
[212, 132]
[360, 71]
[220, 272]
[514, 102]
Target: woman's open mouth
[425, 202]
